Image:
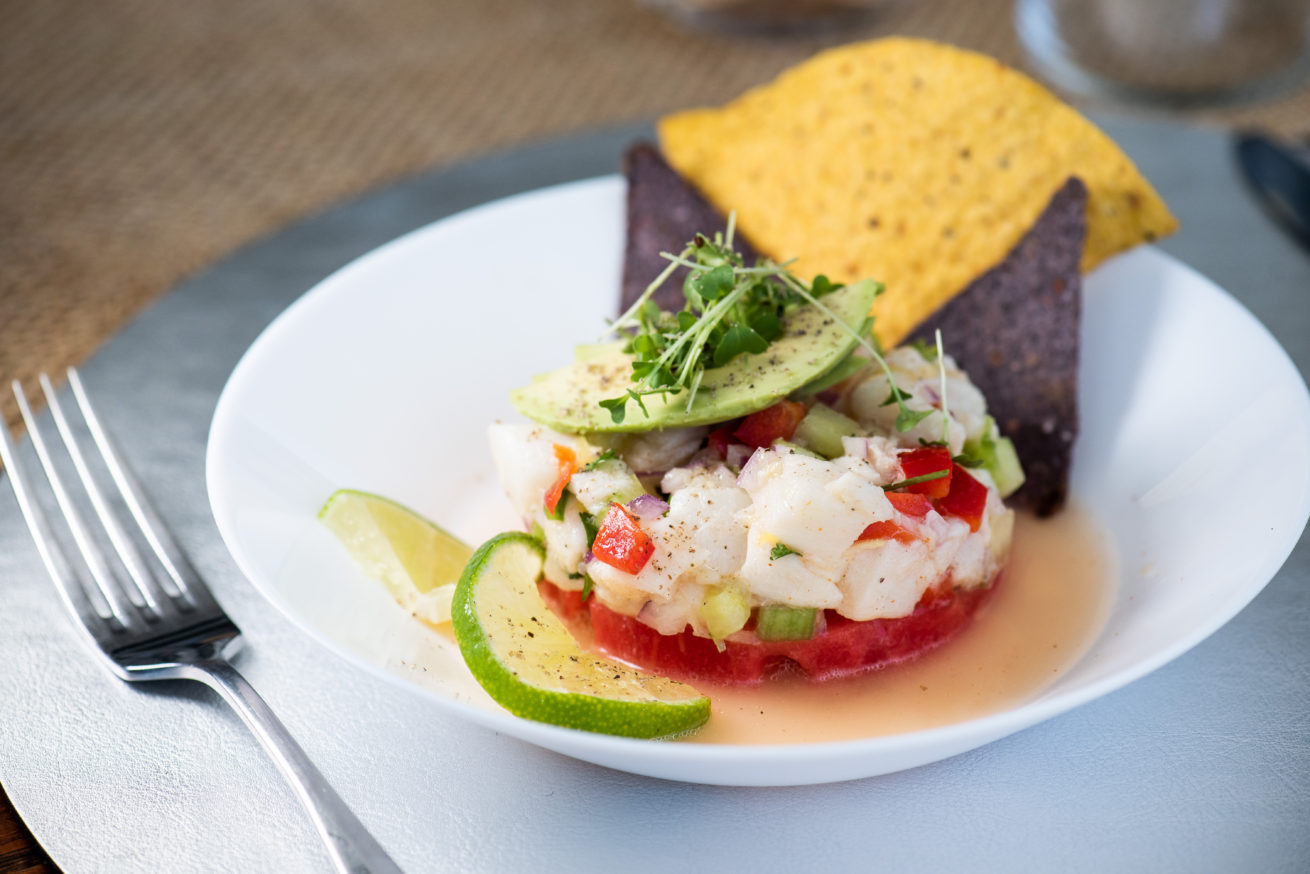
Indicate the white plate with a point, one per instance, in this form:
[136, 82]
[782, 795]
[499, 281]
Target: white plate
[1194, 456]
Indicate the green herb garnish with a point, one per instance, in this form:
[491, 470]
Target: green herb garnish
[599, 460]
[906, 418]
[556, 513]
[730, 310]
[587, 583]
[781, 549]
[896, 396]
[941, 369]
[915, 480]
[590, 527]
[926, 349]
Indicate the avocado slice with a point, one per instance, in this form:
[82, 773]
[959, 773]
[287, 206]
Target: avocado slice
[811, 344]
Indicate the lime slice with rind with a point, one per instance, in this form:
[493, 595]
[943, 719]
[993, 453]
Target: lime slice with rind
[526, 660]
[417, 561]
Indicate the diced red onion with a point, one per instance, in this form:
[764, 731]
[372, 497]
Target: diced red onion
[829, 396]
[647, 507]
[750, 470]
[699, 460]
[737, 454]
[934, 396]
[589, 557]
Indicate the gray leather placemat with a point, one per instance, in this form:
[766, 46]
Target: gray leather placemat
[1201, 766]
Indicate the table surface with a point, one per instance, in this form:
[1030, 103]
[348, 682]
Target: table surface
[144, 142]
[1200, 766]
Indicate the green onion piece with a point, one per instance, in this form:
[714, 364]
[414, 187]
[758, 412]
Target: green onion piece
[776, 622]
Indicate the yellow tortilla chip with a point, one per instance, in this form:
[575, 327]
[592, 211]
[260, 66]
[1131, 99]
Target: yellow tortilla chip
[908, 161]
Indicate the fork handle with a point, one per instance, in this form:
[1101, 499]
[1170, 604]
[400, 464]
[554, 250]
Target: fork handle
[352, 848]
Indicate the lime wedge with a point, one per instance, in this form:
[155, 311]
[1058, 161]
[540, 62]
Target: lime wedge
[418, 562]
[528, 662]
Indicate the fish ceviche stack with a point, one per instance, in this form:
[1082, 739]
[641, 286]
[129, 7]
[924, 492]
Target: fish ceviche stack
[750, 476]
[749, 486]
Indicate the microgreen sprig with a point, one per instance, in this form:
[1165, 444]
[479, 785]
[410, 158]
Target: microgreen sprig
[924, 348]
[907, 418]
[941, 369]
[730, 310]
[915, 480]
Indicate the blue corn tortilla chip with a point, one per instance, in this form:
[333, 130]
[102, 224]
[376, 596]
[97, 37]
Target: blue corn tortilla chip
[664, 212]
[1015, 331]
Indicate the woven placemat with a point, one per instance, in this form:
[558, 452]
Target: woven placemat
[141, 140]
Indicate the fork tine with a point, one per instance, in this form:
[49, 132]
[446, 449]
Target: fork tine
[176, 646]
[127, 552]
[87, 604]
[178, 567]
[110, 604]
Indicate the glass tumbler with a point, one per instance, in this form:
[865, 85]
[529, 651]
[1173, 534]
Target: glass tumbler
[1173, 52]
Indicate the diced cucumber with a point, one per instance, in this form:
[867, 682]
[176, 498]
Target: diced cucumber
[822, 430]
[794, 448]
[975, 448]
[776, 622]
[1005, 468]
[725, 612]
[998, 455]
[609, 481]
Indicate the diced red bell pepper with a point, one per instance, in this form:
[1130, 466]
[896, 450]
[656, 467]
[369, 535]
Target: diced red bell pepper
[620, 542]
[929, 459]
[910, 503]
[721, 438]
[966, 500]
[887, 530]
[566, 462]
[777, 422]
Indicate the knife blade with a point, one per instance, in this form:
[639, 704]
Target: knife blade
[1280, 179]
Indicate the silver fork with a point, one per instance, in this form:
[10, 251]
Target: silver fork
[162, 626]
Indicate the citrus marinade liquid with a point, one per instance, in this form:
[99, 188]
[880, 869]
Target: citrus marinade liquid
[1051, 603]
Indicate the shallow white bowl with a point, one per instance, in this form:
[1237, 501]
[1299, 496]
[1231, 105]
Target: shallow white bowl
[1194, 457]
